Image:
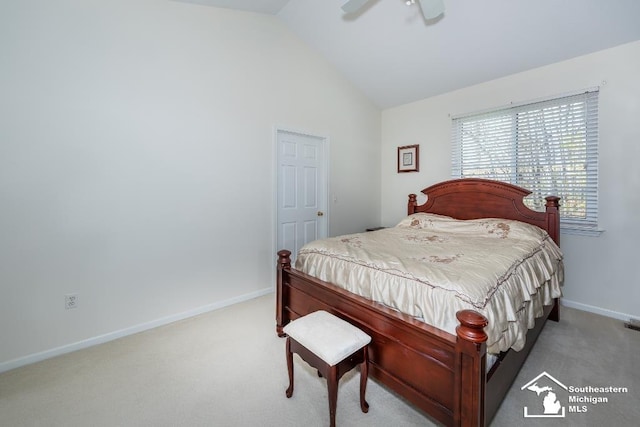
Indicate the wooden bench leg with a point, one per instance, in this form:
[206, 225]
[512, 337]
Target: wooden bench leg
[332, 383]
[364, 373]
[289, 367]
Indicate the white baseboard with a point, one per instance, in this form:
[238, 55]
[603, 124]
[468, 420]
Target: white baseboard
[37, 357]
[597, 310]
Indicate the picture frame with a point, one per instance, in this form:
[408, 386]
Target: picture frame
[409, 158]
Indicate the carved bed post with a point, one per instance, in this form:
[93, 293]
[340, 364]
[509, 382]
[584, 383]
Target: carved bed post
[284, 263]
[411, 208]
[471, 353]
[553, 225]
[553, 217]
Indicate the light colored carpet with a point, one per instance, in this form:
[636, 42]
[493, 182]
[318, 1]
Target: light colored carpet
[227, 368]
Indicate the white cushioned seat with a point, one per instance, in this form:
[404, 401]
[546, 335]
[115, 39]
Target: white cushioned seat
[327, 336]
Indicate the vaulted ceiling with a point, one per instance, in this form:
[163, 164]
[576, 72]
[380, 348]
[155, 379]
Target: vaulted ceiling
[394, 56]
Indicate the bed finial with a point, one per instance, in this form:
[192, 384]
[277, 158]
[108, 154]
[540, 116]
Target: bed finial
[471, 326]
[552, 209]
[553, 201]
[411, 208]
[284, 258]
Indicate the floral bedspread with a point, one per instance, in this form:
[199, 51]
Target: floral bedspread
[431, 266]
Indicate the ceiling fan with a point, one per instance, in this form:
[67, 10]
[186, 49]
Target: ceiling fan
[431, 9]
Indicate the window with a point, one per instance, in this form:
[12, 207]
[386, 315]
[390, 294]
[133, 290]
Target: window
[549, 147]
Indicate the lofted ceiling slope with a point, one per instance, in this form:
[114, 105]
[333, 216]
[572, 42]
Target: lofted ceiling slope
[395, 57]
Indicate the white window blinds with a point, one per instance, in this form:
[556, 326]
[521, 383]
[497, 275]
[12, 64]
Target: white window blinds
[549, 147]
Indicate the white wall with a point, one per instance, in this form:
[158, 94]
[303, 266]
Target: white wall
[601, 272]
[136, 162]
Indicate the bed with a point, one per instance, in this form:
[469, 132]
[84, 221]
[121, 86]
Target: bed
[441, 370]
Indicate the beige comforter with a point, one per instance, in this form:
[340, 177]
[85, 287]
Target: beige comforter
[431, 266]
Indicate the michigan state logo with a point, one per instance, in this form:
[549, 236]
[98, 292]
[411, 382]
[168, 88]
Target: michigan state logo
[546, 389]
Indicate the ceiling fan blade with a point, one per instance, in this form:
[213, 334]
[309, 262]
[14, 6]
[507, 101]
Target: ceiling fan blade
[431, 8]
[353, 5]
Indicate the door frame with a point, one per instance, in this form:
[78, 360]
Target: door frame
[324, 139]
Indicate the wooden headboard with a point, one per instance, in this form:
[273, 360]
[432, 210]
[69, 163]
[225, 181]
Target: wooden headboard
[473, 198]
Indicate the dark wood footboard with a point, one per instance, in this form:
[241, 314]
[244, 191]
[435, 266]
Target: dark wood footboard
[442, 374]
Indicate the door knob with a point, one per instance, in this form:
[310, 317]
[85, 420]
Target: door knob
[320, 213]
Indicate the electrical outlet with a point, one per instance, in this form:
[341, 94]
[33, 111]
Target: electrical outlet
[70, 301]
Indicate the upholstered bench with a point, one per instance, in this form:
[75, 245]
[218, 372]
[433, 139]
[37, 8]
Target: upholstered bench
[333, 347]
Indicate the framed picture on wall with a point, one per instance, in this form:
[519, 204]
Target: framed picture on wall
[408, 158]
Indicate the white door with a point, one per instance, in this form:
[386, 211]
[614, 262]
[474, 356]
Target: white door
[302, 190]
